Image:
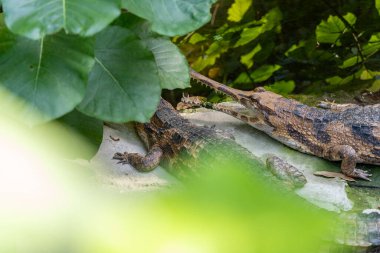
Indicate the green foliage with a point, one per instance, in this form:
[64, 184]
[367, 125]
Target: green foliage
[56, 207]
[35, 19]
[171, 17]
[320, 47]
[264, 72]
[247, 58]
[62, 55]
[331, 30]
[238, 9]
[377, 3]
[49, 80]
[281, 87]
[129, 80]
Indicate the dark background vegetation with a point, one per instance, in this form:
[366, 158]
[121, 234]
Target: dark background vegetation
[317, 50]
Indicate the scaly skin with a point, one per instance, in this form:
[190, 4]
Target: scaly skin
[347, 133]
[183, 148]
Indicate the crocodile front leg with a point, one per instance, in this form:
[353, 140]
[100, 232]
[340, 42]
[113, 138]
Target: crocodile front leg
[349, 158]
[142, 163]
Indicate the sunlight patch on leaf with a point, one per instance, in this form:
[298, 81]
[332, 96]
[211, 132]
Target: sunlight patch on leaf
[196, 37]
[282, 87]
[331, 30]
[238, 9]
[337, 80]
[264, 72]
[367, 74]
[375, 85]
[373, 45]
[350, 62]
[377, 4]
[215, 50]
[247, 58]
[272, 20]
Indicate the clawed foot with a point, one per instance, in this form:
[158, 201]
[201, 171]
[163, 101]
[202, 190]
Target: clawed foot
[122, 157]
[363, 174]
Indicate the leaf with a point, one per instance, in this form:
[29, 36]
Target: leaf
[337, 80]
[171, 17]
[270, 21]
[243, 78]
[37, 18]
[281, 87]
[372, 46]
[367, 74]
[238, 9]
[350, 62]
[196, 37]
[215, 50]
[172, 65]
[295, 47]
[247, 58]
[124, 83]
[50, 81]
[248, 35]
[375, 87]
[377, 4]
[330, 31]
[264, 72]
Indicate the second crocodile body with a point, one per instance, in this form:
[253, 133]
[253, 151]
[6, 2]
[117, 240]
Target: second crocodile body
[348, 133]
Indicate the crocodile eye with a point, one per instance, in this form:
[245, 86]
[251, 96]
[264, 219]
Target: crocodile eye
[176, 138]
[259, 89]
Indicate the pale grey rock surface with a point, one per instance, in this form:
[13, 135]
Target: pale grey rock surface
[327, 193]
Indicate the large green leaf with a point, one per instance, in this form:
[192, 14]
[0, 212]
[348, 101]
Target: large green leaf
[49, 74]
[36, 18]
[172, 65]
[238, 9]
[172, 17]
[377, 4]
[124, 84]
[330, 31]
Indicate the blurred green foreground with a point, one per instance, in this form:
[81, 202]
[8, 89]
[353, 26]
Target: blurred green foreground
[49, 204]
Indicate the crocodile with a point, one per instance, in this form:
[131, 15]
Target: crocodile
[185, 149]
[337, 132]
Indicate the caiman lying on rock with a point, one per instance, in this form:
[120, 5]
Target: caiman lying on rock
[349, 133]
